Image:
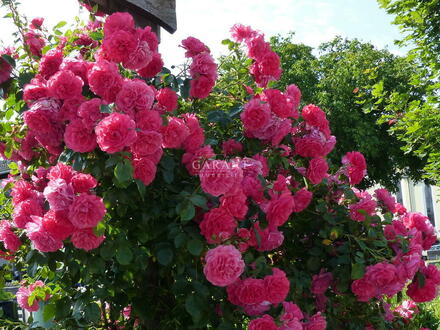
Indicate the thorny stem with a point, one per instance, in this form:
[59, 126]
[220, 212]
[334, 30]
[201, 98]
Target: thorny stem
[19, 24]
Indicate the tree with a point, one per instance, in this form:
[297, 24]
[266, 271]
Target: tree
[417, 122]
[335, 80]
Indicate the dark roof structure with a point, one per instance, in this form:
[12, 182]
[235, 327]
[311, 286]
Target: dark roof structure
[155, 13]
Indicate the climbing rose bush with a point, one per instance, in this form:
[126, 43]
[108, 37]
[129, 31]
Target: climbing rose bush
[134, 202]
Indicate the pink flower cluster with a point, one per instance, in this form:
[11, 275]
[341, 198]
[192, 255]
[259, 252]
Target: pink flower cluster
[33, 38]
[356, 167]
[73, 210]
[10, 239]
[266, 63]
[203, 69]
[23, 294]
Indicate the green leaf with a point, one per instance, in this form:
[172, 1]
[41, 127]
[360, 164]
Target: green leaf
[123, 172]
[92, 312]
[96, 35]
[357, 271]
[421, 280]
[194, 306]
[59, 25]
[184, 88]
[99, 230]
[165, 256]
[188, 212]
[141, 188]
[198, 200]
[195, 247]
[9, 59]
[105, 108]
[49, 311]
[107, 250]
[124, 255]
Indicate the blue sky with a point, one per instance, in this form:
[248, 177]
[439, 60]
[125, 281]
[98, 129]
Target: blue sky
[313, 21]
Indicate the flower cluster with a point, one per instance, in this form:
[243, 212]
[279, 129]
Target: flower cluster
[5, 67]
[73, 210]
[203, 69]
[266, 63]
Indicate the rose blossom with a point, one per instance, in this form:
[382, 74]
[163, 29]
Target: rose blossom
[302, 199]
[251, 291]
[144, 169]
[279, 209]
[201, 87]
[65, 85]
[135, 95]
[277, 286]
[153, 68]
[25, 210]
[194, 47]
[79, 138]
[57, 224]
[263, 323]
[256, 115]
[321, 282]
[174, 133]
[167, 98]
[85, 239]
[147, 143]
[235, 204]
[149, 120]
[105, 80]
[223, 265]
[23, 295]
[217, 225]
[115, 132]
[8, 237]
[317, 170]
[218, 177]
[59, 194]
[118, 21]
[50, 63]
[41, 238]
[356, 166]
[231, 147]
[86, 211]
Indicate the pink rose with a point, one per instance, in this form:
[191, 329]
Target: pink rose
[364, 289]
[251, 291]
[242, 33]
[79, 138]
[316, 322]
[34, 91]
[231, 147]
[388, 201]
[422, 294]
[61, 171]
[321, 282]
[24, 211]
[65, 85]
[37, 22]
[174, 133]
[50, 63]
[194, 160]
[21, 191]
[140, 57]
[149, 37]
[279, 209]
[144, 169]
[167, 98]
[69, 109]
[302, 199]
[78, 67]
[42, 240]
[196, 135]
[147, 143]
[135, 95]
[201, 87]
[59, 194]
[218, 177]
[314, 116]
[82, 182]
[256, 115]
[224, 265]
[105, 80]
[317, 170]
[203, 64]
[217, 226]
[194, 47]
[35, 42]
[90, 112]
[277, 286]
[10, 240]
[23, 295]
[294, 95]
[153, 68]
[86, 211]
[278, 103]
[407, 309]
[118, 21]
[57, 224]
[263, 323]
[85, 239]
[235, 204]
[356, 167]
[367, 205]
[115, 132]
